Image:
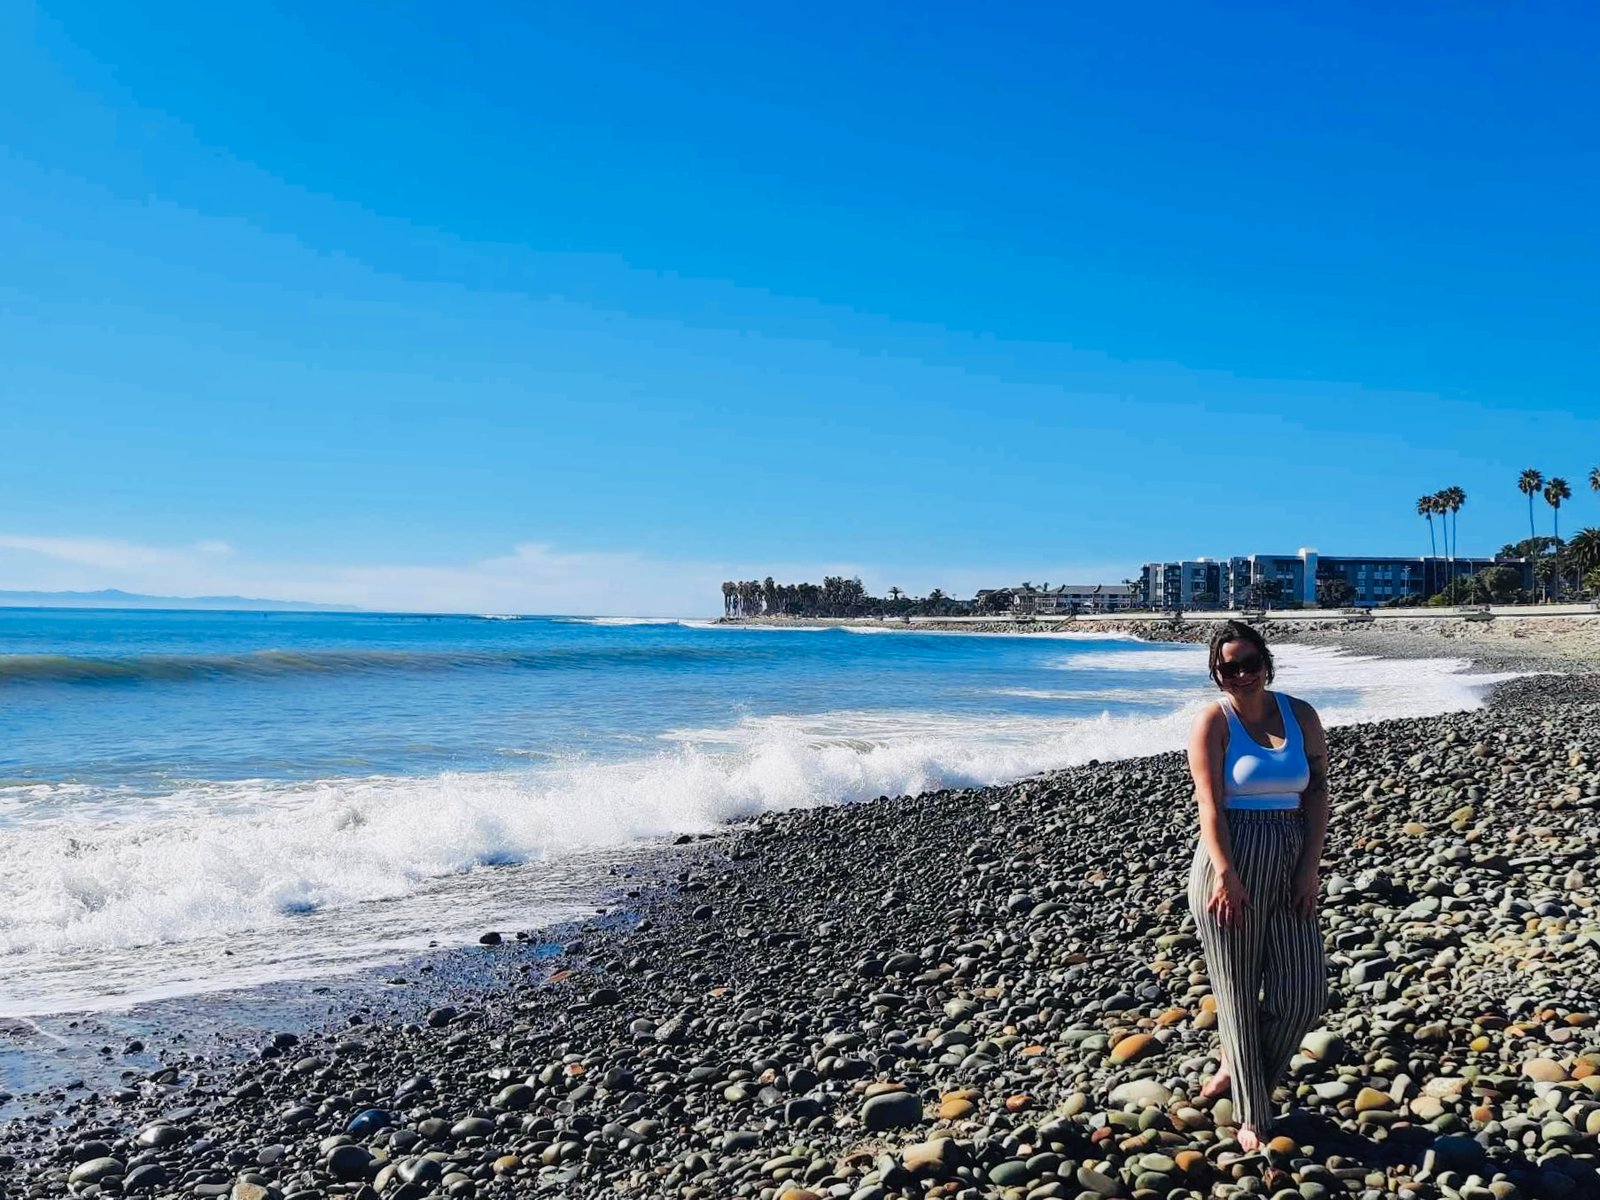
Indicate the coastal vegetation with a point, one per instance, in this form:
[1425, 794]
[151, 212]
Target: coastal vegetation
[1492, 585]
[1558, 566]
[1561, 569]
[835, 596]
[1335, 593]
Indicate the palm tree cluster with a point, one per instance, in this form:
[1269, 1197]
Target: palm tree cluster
[1444, 504]
[835, 596]
[1555, 561]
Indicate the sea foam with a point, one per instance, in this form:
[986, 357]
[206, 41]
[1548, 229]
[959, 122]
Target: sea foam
[620, 622]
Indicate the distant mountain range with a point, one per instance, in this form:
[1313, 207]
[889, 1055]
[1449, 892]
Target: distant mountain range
[115, 598]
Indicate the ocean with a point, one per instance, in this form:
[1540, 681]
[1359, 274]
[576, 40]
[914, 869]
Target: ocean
[197, 802]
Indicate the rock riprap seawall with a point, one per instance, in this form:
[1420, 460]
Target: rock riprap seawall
[991, 992]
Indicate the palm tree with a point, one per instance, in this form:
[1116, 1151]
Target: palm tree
[1594, 479]
[1554, 493]
[1529, 483]
[1583, 550]
[895, 593]
[1453, 498]
[1425, 508]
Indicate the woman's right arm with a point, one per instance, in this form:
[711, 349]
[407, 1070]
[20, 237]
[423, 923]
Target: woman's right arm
[1207, 753]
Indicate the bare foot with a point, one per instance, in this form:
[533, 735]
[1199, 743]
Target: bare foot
[1249, 1140]
[1219, 1084]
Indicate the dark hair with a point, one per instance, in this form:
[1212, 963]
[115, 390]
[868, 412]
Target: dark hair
[1237, 631]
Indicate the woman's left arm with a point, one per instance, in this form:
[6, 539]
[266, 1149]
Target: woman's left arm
[1314, 803]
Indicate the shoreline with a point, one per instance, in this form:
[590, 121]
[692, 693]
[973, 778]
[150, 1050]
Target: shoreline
[1529, 640]
[791, 967]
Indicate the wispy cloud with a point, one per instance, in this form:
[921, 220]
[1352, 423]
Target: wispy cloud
[105, 553]
[533, 577]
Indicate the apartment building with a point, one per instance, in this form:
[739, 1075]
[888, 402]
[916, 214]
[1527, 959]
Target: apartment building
[1192, 583]
[1271, 580]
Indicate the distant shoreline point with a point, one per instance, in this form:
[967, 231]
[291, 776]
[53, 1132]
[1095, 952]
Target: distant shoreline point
[115, 598]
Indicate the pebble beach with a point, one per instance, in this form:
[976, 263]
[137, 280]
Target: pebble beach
[991, 992]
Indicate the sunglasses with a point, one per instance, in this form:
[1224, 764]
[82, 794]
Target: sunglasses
[1248, 665]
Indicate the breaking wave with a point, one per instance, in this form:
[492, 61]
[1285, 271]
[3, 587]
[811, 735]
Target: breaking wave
[213, 858]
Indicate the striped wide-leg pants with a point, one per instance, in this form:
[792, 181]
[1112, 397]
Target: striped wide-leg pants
[1267, 972]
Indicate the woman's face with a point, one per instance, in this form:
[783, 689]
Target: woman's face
[1241, 669]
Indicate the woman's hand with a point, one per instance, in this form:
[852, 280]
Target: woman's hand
[1303, 891]
[1229, 901]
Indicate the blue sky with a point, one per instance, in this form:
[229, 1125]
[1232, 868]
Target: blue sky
[586, 308]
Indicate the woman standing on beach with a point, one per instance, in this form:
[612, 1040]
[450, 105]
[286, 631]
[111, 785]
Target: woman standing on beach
[1260, 766]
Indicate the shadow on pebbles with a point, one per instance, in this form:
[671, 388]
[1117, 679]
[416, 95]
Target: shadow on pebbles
[990, 992]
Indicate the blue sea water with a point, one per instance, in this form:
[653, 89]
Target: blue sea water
[193, 801]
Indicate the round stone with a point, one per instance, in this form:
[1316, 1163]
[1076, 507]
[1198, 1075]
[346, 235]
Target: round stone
[1544, 1070]
[1011, 1173]
[145, 1178]
[368, 1121]
[349, 1163]
[956, 1105]
[893, 1110]
[420, 1171]
[159, 1136]
[1323, 1046]
[1132, 1048]
[1146, 1093]
[95, 1170]
[515, 1096]
[1370, 1099]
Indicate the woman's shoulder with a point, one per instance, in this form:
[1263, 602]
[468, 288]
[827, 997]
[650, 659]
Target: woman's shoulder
[1208, 734]
[1302, 709]
[1213, 714]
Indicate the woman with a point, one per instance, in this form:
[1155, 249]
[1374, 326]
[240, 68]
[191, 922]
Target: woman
[1260, 766]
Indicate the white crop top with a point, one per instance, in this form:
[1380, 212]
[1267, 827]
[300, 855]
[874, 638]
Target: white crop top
[1257, 777]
